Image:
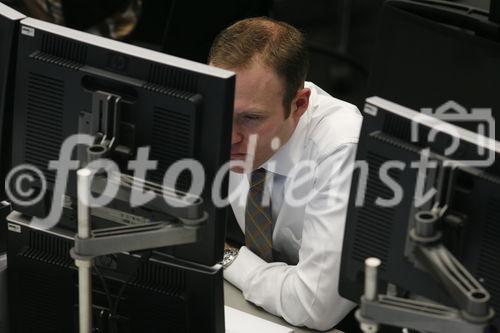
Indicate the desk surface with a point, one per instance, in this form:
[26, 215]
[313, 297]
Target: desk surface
[234, 299]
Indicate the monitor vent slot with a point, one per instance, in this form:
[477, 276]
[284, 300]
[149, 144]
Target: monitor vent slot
[48, 249]
[169, 91]
[396, 142]
[489, 264]
[172, 77]
[161, 278]
[44, 121]
[397, 126]
[64, 48]
[374, 225]
[172, 140]
[55, 60]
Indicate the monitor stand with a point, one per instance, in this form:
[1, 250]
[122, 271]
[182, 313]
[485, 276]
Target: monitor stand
[473, 314]
[90, 244]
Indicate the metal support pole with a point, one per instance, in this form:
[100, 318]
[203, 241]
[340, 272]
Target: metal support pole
[371, 292]
[371, 267]
[84, 265]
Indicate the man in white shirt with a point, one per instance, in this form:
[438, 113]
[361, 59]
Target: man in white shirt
[295, 148]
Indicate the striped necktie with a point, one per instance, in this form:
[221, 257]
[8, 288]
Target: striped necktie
[258, 218]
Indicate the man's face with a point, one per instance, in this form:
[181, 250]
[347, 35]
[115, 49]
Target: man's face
[258, 110]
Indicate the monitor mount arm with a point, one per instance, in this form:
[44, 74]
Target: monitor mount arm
[90, 244]
[105, 122]
[473, 313]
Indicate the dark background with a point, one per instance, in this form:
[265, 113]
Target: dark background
[341, 33]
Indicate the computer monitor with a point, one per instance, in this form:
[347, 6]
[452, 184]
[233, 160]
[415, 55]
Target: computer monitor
[431, 51]
[128, 97]
[388, 190]
[9, 25]
[130, 292]
[125, 97]
[4, 211]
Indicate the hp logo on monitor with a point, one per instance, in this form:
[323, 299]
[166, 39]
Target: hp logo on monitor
[117, 62]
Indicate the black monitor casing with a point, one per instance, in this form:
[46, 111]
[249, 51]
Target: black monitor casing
[181, 109]
[160, 294]
[9, 25]
[470, 225]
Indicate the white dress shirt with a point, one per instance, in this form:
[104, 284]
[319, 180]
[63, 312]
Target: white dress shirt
[308, 235]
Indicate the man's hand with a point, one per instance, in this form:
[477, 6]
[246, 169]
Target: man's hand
[229, 246]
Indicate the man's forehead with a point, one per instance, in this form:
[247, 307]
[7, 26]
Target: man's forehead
[258, 90]
[257, 76]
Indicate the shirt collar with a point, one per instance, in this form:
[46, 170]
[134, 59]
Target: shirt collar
[290, 154]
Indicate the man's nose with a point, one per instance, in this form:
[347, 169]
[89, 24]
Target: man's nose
[236, 136]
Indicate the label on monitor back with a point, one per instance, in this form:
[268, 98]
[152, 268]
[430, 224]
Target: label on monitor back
[372, 110]
[14, 227]
[28, 31]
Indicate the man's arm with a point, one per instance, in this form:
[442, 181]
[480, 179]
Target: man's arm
[306, 294]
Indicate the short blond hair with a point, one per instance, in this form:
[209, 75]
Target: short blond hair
[277, 44]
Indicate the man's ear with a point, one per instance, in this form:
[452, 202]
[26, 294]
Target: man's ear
[300, 103]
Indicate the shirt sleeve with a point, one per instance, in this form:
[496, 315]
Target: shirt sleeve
[306, 294]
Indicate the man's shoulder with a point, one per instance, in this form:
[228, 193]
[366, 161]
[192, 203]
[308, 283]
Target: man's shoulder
[332, 122]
